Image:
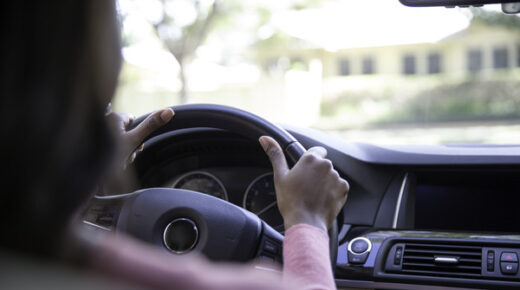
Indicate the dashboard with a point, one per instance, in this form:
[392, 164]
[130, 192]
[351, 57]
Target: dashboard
[249, 187]
[416, 216]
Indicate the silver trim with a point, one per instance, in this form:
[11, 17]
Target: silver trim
[203, 173]
[246, 193]
[96, 226]
[119, 196]
[399, 200]
[446, 260]
[192, 245]
[349, 247]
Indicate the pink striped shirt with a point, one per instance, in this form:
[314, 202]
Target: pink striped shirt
[306, 265]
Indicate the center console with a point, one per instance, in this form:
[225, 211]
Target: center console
[449, 228]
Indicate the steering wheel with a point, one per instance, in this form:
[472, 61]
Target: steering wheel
[182, 221]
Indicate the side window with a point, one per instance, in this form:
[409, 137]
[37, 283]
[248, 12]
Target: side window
[409, 65]
[474, 60]
[368, 66]
[344, 67]
[500, 58]
[434, 63]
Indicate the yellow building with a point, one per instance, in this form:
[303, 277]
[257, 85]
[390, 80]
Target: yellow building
[478, 48]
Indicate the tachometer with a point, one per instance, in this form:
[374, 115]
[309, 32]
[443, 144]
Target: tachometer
[260, 199]
[201, 181]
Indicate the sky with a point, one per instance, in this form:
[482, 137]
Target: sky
[349, 23]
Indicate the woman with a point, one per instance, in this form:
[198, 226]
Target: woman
[60, 66]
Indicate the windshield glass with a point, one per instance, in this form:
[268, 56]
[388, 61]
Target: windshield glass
[368, 71]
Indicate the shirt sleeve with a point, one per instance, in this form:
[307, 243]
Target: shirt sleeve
[306, 265]
[306, 257]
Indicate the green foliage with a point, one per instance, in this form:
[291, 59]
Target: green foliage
[495, 18]
[424, 100]
[305, 4]
[471, 100]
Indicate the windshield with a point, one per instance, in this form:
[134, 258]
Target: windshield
[368, 71]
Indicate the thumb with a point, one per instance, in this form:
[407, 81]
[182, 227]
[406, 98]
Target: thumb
[153, 122]
[275, 154]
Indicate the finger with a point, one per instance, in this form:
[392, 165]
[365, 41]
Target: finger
[140, 148]
[127, 119]
[318, 151]
[153, 122]
[119, 121]
[275, 154]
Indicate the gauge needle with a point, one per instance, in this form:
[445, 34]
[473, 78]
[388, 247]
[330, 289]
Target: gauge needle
[272, 204]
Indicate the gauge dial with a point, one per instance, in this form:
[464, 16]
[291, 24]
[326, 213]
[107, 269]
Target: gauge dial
[260, 199]
[203, 182]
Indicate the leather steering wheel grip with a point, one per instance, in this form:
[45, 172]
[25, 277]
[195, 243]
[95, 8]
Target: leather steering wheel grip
[231, 119]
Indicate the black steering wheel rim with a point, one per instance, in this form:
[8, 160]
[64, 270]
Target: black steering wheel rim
[228, 118]
[242, 123]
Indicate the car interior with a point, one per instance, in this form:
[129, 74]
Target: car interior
[417, 216]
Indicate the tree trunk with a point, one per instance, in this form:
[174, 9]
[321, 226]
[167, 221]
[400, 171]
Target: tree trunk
[184, 92]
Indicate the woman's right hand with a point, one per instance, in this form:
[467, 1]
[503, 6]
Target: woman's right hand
[312, 192]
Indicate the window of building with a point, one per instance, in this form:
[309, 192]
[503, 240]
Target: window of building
[409, 65]
[434, 63]
[344, 67]
[474, 58]
[367, 66]
[500, 58]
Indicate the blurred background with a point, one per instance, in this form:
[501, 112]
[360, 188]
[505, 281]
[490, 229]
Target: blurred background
[367, 70]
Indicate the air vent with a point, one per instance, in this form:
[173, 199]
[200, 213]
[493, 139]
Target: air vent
[432, 259]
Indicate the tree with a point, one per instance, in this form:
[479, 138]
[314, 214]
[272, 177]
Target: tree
[182, 38]
[495, 18]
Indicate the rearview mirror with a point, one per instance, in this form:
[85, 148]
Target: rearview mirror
[452, 3]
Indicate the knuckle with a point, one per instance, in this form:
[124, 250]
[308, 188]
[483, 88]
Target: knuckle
[325, 165]
[309, 158]
[345, 186]
[328, 165]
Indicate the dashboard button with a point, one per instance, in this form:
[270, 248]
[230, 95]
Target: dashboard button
[359, 246]
[508, 257]
[508, 268]
[358, 250]
[491, 261]
[357, 258]
[398, 255]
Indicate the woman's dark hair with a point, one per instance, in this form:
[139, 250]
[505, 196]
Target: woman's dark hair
[55, 142]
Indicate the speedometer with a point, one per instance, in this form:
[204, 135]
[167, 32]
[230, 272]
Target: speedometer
[203, 182]
[260, 199]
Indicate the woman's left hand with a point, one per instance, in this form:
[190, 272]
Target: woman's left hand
[131, 140]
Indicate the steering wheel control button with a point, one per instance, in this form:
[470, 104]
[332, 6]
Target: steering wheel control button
[358, 250]
[508, 268]
[508, 257]
[271, 247]
[181, 235]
